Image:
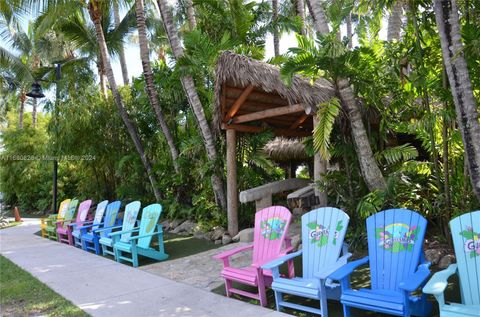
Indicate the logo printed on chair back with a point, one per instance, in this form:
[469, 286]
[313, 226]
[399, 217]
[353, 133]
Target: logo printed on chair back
[397, 237]
[150, 216]
[129, 219]
[472, 243]
[273, 228]
[319, 234]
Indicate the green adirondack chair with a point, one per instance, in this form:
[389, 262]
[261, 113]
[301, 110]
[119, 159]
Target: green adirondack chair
[137, 241]
[49, 221]
[466, 241]
[67, 214]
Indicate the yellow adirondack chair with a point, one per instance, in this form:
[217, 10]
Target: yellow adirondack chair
[50, 220]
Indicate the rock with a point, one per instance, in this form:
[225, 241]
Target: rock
[175, 223]
[217, 233]
[296, 241]
[246, 235]
[226, 239]
[446, 261]
[165, 224]
[219, 241]
[294, 229]
[434, 255]
[297, 212]
[199, 234]
[186, 227]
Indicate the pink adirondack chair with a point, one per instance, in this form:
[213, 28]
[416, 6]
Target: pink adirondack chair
[65, 229]
[271, 225]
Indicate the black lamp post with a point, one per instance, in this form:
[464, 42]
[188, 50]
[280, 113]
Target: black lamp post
[36, 92]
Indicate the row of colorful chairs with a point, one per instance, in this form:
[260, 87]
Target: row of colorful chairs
[398, 269]
[105, 232]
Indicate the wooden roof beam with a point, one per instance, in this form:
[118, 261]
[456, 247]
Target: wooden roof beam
[274, 112]
[254, 129]
[239, 102]
[299, 121]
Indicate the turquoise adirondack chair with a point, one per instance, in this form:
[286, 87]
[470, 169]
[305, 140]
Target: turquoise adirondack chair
[269, 243]
[397, 267]
[466, 240]
[77, 233]
[90, 235]
[323, 231]
[129, 220]
[125, 242]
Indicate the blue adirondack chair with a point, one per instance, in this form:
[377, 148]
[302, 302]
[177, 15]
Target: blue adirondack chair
[466, 241]
[129, 220]
[76, 233]
[397, 266]
[125, 242]
[90, 235]
[323, 231]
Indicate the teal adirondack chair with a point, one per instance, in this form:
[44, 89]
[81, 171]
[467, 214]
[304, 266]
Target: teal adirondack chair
[323, 231]
[125, 242]
[129, 220]
[97, 219]
[466, 240]
[397, 266]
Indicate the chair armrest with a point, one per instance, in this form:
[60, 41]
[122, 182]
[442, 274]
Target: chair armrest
[348, 269]
[106, 228]
[116, 233]
[143, 236]
[229, 253]
[280, 261]
[439, 281]
[415, 280]
[323, 274]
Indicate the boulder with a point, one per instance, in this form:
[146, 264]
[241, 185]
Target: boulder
[226, 239]
[219, 241]
[185, 228]
[217, 233]
[175, 223]
[246, 235]
[165, 224]
[446, 261]
[434, 255]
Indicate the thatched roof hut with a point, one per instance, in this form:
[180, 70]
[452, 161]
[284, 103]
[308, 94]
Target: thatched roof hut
[250, 96]
[286, 150]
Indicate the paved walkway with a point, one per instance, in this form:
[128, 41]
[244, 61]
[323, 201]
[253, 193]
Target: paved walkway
[103, 287]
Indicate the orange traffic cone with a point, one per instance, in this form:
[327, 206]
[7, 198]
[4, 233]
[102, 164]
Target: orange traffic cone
[17, 215]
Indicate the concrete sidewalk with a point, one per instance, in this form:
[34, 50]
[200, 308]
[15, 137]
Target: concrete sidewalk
[103, 287]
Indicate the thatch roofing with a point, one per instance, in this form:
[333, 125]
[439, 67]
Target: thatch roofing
[286, 150]
[234, 73]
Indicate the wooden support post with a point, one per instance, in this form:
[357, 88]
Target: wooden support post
[263, 202]
[232, 193]
[319, 168]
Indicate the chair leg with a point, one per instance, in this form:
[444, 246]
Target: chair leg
[291, 269]
[135, 259]
[324, 306]
[278, 300]
[117, 255]
[228, 287]
[261, 290]
[346, 311]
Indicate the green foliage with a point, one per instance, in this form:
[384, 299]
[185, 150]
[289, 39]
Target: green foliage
[326, 115]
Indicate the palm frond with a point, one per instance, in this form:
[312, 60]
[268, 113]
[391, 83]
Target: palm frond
[327, 112]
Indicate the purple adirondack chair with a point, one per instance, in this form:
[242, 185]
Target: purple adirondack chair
[271, 225]
[64, 229]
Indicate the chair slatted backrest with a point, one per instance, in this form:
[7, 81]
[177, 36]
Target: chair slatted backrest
[99, 212]
[110, 217]
[466, 241]
[63, 208]
[323, 231]
[271, 225]
[395, 241]
[129, 219]
[83, 210]
[150, 216]
[70, 213]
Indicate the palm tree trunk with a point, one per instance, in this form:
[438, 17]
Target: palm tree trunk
[21, 110]
[446, 15]
[194, 101]
[276, 35]
[395, 21]
[148, 74]
[121, 52]
[300, 8]
[192, 21]
[370, 171]
[95, 15]
[101, 75]
[34, 112]
[349, 31]
[318, 16]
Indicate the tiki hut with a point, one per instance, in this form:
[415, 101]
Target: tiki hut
[289, 153]
[250, 97]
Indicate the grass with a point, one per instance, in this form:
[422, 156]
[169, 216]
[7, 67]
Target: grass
[21, 294]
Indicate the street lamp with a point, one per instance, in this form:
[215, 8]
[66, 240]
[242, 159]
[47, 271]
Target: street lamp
[36, 92]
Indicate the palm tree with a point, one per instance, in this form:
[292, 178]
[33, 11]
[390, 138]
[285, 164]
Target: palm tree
[195, 103]
[446, 15]
[395, 21]
[192, 21]
[148, 74]
[300, 9]
[121, 52]
[95, 11]
[370, 171]
[276, 35]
